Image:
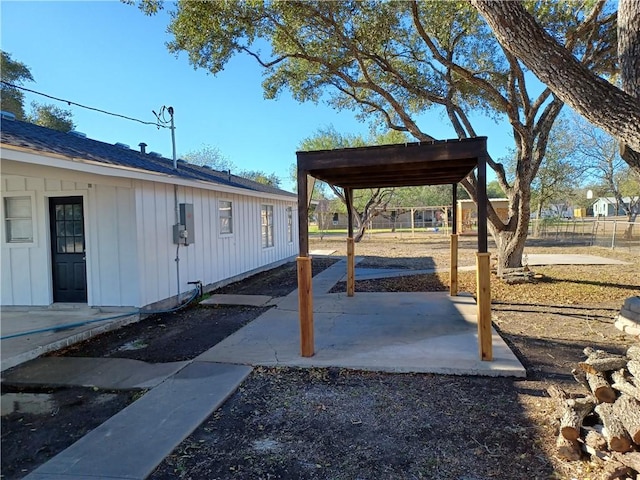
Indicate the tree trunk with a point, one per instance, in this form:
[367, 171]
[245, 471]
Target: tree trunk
[600, 102]
[359, 233]
[629, 60]
[510, 238]
[628, 232]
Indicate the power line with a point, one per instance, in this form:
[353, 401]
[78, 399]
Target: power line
[69, 102]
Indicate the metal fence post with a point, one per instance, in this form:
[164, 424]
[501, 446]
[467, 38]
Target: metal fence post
[613, 236]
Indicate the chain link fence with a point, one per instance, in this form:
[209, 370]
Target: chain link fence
[615, 233]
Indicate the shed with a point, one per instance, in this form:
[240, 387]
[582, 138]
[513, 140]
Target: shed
[410, 164]
[467, 213]
[85, 221]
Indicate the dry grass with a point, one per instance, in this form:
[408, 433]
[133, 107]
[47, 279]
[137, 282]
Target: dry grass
[560, 285]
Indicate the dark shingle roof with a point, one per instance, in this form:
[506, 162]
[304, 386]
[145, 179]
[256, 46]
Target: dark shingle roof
[46, 140]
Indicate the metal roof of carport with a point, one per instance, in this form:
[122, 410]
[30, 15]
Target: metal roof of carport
[399, 165]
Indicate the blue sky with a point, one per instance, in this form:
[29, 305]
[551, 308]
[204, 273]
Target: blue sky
[110, 56]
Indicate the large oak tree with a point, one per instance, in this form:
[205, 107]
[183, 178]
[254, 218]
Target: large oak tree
[615, 110]
[390, 62]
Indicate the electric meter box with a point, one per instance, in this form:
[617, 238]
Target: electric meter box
[183, 233]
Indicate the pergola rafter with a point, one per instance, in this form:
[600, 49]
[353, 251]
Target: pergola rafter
[401, 165]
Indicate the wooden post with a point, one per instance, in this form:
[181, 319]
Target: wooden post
[305, 305]
[483, 285]
[305, 291]
[351, 268]
[453, 270]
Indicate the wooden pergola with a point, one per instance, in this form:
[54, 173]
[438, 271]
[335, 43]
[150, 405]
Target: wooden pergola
[403, 165]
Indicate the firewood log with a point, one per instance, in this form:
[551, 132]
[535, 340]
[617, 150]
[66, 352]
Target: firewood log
[594, 365]
[581, 377]
[621, 384]
[568, 449]
[631, 460]
[633, 352]
[601, 388]
[592, 352]
[617, 437]
[627, 410]
[633, 366]
[574, 412]
[614, 470]
[595, 440]
[570, 411]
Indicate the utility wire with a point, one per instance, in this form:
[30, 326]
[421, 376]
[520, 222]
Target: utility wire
[69, 102]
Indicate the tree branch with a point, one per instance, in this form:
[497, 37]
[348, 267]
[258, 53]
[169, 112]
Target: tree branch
[603, 104]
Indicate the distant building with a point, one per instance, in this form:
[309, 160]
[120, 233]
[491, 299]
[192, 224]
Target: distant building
[468, 213]
[606, 206]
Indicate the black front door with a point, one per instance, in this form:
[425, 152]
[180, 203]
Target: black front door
[67, 247]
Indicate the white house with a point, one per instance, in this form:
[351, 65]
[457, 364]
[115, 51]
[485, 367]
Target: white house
[90, 222]
[606, 206]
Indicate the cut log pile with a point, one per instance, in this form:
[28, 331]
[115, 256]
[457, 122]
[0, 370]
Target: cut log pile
[605, 422]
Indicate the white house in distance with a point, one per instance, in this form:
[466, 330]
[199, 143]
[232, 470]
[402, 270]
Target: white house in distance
[89, 222]
[606, 206]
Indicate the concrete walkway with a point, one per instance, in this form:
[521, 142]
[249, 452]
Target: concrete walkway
[421, 332]
[28, 333]
[132, 443]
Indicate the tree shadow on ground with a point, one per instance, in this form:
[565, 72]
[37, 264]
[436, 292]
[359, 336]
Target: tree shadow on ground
[405, 263]
[595, 283]
[335, 423]
[552, 359]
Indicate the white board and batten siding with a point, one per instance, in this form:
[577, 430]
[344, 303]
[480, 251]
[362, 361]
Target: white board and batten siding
[128, 224]
[109, 238]
[212, 256]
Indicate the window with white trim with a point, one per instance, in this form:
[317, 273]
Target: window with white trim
[267, 226]
[290, 224]
[225, 214]
[18, 218]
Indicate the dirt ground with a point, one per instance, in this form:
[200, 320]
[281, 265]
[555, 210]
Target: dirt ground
[287, 423]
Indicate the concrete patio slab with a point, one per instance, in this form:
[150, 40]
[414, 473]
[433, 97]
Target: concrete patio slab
[233, 299]
[407, 332]
[131, 444]
[104, 373]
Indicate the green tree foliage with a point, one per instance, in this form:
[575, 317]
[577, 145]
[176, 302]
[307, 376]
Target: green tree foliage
[367, 203]
[211, 156]
[15, 73]
[494, 190]
[259, 176]
[12, 99]
[560, 172]
[390, 62]
[50, 116]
